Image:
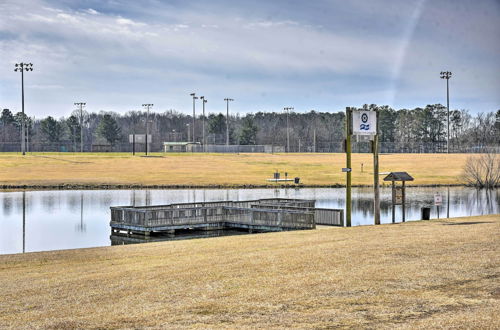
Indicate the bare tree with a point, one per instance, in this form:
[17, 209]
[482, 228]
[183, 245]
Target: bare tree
[483, 171]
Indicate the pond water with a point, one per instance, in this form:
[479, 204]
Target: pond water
[53, 220]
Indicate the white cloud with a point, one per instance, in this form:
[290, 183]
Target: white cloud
[91, 52]
[92, 11]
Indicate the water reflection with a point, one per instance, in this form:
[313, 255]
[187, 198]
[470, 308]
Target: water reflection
[50, 220]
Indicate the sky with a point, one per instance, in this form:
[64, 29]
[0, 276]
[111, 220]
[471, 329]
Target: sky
[321, 55]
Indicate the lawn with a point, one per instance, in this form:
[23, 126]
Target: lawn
[56, 169]
[427, 274]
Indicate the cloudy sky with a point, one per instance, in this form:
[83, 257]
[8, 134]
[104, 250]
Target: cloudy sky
[318, 54]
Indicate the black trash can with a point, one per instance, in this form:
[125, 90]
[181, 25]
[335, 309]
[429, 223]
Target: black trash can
[426, 213]
[297, 180]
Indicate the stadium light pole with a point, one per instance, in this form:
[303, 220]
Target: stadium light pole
[194, 114]
[447, 75]
[227, 119]
[287, 109]
[81, 105]
[147, 106]
[203, 100]
[21, 67]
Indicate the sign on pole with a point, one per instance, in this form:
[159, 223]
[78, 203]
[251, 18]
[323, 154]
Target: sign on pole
[438, 199]
[364, 122]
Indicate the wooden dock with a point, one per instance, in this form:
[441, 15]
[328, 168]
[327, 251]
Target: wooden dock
[272, 214]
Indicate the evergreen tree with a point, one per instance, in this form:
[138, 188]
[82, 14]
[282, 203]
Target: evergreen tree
[248, 133]
[7, 117]
[109, 129]
[51, 129]
[74, 128]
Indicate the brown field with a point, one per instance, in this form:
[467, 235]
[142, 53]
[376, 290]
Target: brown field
[56, 169]
[427, 274]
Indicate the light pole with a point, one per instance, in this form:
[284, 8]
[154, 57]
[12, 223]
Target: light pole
[81, 105]
[227, 119]
[189, 131]
[203, 100]
[73, 128]
[287, 109]
[447, 75]
[21, 67]
[147, 106]
[194, 114]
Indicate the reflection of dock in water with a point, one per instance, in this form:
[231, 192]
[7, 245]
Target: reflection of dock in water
[265, 215]
[122, 238]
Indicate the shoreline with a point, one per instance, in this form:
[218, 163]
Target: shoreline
[103, 186]
[421, 273]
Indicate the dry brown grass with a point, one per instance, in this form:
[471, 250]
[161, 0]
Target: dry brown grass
[219, 169]
[434, 274]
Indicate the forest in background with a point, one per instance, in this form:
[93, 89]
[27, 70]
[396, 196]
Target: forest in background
[310, 131]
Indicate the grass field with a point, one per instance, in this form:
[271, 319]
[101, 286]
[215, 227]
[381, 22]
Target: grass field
[55, 169]
[427, 274]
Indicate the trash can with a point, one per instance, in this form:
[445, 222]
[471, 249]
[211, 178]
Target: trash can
[426, 213]
[297, 180]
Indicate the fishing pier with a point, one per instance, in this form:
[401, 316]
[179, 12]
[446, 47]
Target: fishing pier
[262, 215]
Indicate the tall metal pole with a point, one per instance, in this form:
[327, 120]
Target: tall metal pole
[194, 113]
[447, 75]
[147, 106]
[314, 141]
[287, 109]
[348, 131]
[227, 119]
[21, 67]
[23, 137]
[81, 105]
[203, 100]
[376, 201]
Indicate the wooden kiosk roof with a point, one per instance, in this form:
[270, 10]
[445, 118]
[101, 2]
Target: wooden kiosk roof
[398, 176]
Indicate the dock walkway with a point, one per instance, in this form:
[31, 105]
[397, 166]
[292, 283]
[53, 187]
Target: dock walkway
[272, 214]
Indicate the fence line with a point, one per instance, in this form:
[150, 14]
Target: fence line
[323, 147]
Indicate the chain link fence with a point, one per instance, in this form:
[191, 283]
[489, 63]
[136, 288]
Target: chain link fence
[323, 147]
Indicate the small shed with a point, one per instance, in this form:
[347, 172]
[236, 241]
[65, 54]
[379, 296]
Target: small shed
[398, 192]
[179, 146]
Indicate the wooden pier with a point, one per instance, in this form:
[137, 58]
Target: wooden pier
[272, 214]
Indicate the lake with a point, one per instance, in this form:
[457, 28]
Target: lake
[68, 219]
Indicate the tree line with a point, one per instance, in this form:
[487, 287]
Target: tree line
[310, 131]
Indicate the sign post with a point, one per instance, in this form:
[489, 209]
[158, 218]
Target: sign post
[348, 132]
[438, 200]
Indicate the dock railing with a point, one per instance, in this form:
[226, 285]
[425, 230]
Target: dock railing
[266, 214]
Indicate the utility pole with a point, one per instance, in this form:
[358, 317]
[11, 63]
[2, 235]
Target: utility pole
[376, 187]
[21, 67]
[81, 105]
[287, 109]
[348, 132]
[203, 100]
[73, 128]
[147, 106]
[227, 119]
[194, 114]
[314, 141]
[447, 75]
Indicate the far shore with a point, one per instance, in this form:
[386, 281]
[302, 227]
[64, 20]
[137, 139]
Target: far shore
[175, 187]
[36, 171]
